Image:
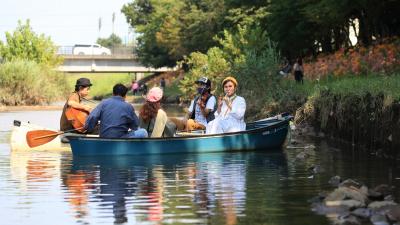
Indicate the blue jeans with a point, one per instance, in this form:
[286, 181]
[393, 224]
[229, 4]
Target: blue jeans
[139, 133]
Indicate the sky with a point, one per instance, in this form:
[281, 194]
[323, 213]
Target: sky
[67, 22]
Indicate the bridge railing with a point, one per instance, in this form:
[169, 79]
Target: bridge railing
[115, 51]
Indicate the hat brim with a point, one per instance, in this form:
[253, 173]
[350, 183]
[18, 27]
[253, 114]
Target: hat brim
[85, 85]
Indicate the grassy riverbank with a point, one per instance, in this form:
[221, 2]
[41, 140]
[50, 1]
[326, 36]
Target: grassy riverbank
[362, 110]
[292, 96]
[102, 82]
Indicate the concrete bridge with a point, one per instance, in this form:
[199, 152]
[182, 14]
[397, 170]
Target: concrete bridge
[106, 64]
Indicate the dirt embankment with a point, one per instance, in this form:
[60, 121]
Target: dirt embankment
[372, 121]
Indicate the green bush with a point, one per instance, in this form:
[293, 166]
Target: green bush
[212, 65]
[24, 82]
[25, 44]
[247, 54]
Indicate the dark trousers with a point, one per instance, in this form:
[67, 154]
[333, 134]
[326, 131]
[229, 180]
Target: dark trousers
[298, 76]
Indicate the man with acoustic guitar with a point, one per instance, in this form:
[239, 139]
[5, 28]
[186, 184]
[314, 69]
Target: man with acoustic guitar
[74, 112]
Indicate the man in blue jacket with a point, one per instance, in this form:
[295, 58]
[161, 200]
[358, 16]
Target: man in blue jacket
[117, 117]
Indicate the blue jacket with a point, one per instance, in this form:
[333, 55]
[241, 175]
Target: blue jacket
[115, 115]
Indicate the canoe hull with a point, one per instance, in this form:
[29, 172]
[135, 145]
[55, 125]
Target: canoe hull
[271, 136]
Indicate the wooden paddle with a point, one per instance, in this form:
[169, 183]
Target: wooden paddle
[40, 137]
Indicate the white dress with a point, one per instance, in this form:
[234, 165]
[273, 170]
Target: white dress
[229, 120]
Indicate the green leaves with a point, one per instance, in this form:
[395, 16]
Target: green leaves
[25, 82]
[112, 41]
[172, 29]
[245, 53]
[26, 44]
[212, 65]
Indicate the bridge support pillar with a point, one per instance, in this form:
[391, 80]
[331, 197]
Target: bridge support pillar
[139, 76]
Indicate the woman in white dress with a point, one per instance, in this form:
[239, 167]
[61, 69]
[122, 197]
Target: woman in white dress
[229, 116]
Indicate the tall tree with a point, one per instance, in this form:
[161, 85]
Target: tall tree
[312, 26]
[174, 27]
[24, 43]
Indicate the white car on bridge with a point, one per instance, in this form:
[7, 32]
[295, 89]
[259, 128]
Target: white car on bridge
[90, 49]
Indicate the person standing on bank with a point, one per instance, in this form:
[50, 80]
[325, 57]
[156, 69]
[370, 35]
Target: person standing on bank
[117, 117]
[153, 118]
[298, 70]
[82, 89]
[229, 116]
[162, 83]
[134, 87]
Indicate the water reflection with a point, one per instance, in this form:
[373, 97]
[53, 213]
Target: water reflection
[240, 188]
[30, 169]
[234, 188]
[79, 184]
[168, 189]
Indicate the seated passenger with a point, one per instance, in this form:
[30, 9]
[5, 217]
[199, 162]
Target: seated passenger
[82, 89]
[201, 109]
[229, 116]
[153, 118]
[117, 117]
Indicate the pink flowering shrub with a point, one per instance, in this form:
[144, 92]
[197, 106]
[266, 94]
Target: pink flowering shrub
[382, 58]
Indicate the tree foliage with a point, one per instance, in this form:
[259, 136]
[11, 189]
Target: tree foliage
[246, 53]
[311, 26]
[25, 82]
[172, 29]
[112, 41]
[25, 44]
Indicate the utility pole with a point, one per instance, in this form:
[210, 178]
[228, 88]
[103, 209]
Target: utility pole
[99, 26]
[113, 20]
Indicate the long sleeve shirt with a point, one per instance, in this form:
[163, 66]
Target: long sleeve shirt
[116, 117]
[229, 120]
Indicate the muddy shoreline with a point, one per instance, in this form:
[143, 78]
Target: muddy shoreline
[30, 108]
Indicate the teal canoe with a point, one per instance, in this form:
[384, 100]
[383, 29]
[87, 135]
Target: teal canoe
[262, 135]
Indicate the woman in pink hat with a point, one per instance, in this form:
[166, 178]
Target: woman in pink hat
[153, 118]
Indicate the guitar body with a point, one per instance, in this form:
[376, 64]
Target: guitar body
[77, 118]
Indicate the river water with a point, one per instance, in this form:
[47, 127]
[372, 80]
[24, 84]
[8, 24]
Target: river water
[230, 188]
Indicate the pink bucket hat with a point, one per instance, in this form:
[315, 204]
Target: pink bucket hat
[155, 94]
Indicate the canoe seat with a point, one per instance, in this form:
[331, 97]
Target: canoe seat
[190, 133]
